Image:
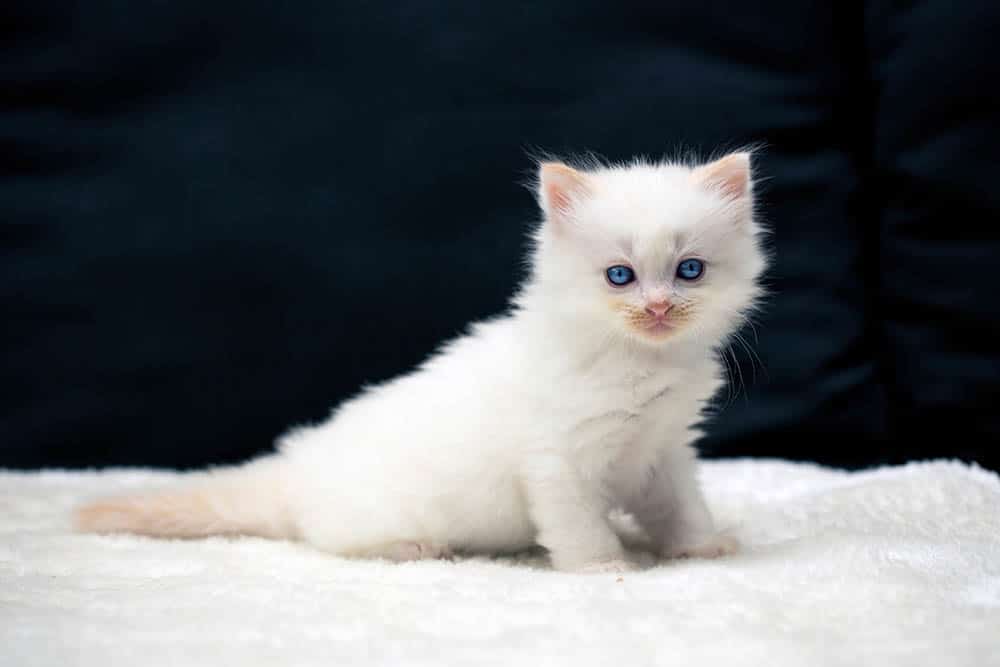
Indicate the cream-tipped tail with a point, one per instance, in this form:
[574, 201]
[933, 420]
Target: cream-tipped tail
[249, 499]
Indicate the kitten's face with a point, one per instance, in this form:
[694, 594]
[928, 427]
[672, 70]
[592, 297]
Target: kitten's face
[654, 253]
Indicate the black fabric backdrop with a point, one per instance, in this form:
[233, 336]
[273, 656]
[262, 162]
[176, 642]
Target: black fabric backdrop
[220, 219]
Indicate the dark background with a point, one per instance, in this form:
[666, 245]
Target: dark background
[220, 219]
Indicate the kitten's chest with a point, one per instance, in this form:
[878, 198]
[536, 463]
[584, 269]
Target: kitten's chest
[641, 389]
[614, 410]
[635, 391]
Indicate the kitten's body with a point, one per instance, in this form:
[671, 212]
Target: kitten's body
[532, 427]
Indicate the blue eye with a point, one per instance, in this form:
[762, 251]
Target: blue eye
[690, 269]
[619, 275]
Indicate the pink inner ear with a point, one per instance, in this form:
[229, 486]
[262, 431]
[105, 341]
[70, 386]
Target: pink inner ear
[558, 199]
[730, 175]
[560, 185]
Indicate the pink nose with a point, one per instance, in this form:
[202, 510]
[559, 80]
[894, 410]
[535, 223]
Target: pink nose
[659, 308]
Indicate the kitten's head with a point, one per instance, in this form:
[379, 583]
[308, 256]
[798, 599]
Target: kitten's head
[653, 253]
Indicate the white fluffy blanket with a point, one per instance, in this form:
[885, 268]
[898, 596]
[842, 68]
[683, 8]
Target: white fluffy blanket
[884, 567]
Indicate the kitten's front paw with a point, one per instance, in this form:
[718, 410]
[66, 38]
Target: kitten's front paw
[616, 566]
[712, 547]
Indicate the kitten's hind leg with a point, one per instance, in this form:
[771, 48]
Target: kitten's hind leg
[404, 551]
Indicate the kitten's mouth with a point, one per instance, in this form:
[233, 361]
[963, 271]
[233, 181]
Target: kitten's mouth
[657, 327]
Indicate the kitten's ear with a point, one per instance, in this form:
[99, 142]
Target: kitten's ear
[729, 176]
[559, 186]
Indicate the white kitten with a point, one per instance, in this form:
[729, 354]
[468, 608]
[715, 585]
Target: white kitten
[530, 429]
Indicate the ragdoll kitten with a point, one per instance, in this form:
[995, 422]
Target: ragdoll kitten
[531, 428]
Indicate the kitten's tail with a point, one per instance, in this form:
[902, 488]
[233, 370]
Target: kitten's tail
[249, 499]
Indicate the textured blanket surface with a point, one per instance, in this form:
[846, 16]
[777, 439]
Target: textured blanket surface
[889, 566]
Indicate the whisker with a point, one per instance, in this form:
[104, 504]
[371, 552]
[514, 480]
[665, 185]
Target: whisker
[751, 352]
[739, 371]
[751, 355]
[731, 380]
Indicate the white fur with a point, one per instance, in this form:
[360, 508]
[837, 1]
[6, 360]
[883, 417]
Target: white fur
[531, 428]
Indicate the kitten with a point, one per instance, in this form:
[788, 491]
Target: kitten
[531, 428]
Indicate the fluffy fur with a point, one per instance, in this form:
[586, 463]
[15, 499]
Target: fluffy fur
[582, 399]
